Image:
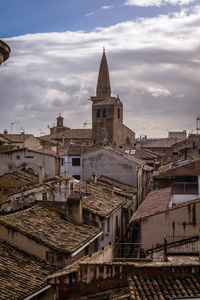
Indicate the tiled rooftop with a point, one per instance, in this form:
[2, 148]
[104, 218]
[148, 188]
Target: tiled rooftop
[21, 274]
[13, 181]
[191, 168]
[155, 202]
[70, 134]
[103, 200]
[162, 287]
[48, 228]
[17, 138]
[115, 183]
[161, 143]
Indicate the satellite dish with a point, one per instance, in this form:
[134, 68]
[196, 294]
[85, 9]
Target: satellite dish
[31, 199]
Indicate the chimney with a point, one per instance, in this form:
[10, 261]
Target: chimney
[94, 177]
[74, 205]
[41, 175]
[5, 131]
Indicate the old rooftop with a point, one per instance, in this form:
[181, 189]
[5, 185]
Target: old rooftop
[21, 274]
[158, 202]
[155, 202]
[187, 168]
[162, 286]
[161, 143]
[70, 134]
[102, 200]
[48, 228]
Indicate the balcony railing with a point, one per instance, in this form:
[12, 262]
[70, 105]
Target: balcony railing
[132, 251]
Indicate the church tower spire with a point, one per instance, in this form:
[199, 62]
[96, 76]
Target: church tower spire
[103, 84]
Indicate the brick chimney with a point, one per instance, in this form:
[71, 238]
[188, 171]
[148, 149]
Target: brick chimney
[74, 205]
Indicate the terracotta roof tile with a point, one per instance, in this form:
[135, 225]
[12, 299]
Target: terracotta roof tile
[163, 286]
[191, 168]
[72, 134]
[21, 274]
[155, 202]
[17, 138]
[47, 227]
[103, 200]
[161, 143]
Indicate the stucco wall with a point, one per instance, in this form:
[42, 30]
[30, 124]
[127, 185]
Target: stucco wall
[12, 160]
[128, 133]
[103, 162]
[183, 221]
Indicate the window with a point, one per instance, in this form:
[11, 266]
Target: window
[108, 225]
[18, 157]
[71, 189]
[118, 113]
[175, 153]
[62, 161]
[104, 113]
[87, 250]
[44, 196]
[98, 113]
[76, 161]
[50, 256]
[77, 177]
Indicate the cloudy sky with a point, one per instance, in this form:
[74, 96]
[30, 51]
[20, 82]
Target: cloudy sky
[153, 52]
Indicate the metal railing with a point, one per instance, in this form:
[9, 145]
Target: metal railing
[132, 250]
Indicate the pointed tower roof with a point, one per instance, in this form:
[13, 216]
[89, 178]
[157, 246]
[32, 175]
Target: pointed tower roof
[103, 84]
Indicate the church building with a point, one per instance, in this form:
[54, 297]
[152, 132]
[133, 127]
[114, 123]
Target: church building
[107, 112]
[107, 118]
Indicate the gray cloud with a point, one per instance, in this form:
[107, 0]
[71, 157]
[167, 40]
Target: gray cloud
[154, 67]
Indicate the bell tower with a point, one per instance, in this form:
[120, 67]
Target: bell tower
[107, 111]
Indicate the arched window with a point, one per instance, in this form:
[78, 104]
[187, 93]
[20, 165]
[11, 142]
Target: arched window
[98, 113]
[104, 113]
[128, 140]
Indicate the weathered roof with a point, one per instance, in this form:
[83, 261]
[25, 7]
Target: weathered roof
[161, 287]
[155, 202]
[162, 143]
[12, 182]
[17, 138]
[48, 228]
[191, 168]
[102, 200]
[7, 148]
[115, 183]
[76, 149]
[21, 274]
[71, 134]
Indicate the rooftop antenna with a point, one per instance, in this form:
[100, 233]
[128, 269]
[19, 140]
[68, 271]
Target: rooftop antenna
[197, 124]
[11, 126]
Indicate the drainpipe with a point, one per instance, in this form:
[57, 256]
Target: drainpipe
[199, 185]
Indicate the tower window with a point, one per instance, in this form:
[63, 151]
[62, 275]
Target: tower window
[98, 113]
[104, 113]
[118, 113]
